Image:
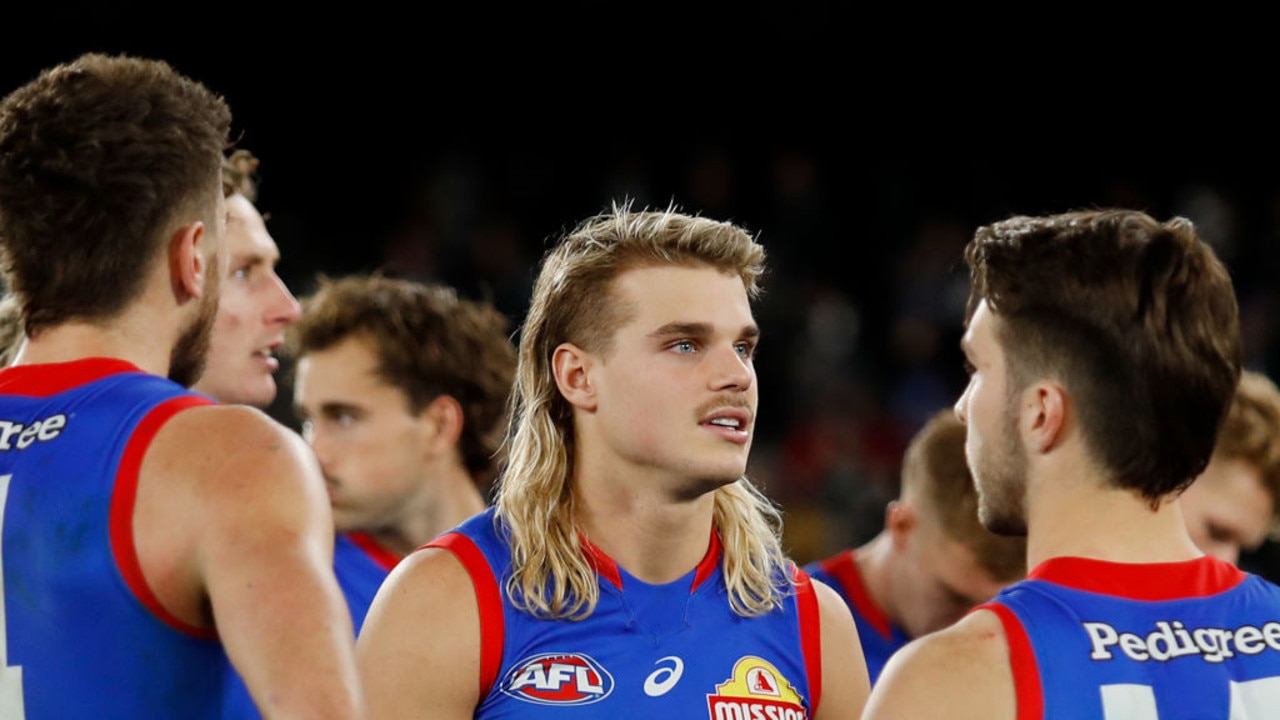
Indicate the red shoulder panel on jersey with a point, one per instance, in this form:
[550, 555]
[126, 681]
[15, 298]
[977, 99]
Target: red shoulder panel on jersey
[122, 502]
[1022, 661]
[810, 634]
[488, 600]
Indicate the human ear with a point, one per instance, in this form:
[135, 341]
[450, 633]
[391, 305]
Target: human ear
[572, 367]
[899, 520]
[442, 420]
[187, 262]
[1045, 415]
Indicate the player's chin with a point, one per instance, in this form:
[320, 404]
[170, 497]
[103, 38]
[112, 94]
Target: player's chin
[726, 473]
[345, 519]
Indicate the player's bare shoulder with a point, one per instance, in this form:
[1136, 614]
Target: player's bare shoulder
[961, 672]
[419, 649]
[233, 445]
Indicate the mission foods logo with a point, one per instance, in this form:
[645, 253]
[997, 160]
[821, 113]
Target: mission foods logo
[757, 691]
[559, 679]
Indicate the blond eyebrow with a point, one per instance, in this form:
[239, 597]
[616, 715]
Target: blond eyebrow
[696, 329]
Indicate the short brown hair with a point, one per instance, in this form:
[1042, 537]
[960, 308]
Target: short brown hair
[11, 335]
[1137, 318]
[429, 342]
[240, 175]
[97, 157]
[1251, 431]
[934, 469]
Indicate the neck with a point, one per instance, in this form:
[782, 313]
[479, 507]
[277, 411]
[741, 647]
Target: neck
[878, 567]
[75, 340]
[655, 538]
[1082, 516]
[450, 496]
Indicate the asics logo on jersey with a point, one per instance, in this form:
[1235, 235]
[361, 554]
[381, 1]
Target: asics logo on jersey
[661, 681]
[558, 679]
[1174, 639]
[16, 435]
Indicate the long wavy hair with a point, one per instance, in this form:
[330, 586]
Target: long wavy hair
[551, 576]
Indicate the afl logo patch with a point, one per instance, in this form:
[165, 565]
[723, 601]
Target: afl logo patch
[558, 679]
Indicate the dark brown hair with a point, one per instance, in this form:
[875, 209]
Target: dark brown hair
[1136, 318]
[429, 342]
[97, 158]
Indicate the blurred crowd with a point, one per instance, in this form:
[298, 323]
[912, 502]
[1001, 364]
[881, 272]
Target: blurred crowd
[863, 306]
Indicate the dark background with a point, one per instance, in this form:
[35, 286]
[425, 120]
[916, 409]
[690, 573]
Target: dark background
[451, 142]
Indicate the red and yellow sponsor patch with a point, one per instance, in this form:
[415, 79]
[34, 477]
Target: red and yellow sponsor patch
[757, 691]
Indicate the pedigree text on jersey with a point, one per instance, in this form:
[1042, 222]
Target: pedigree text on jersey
[16, 436]
[1172, 639]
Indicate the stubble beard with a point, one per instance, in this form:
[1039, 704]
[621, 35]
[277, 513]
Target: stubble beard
[190, 354]
[1001, 479]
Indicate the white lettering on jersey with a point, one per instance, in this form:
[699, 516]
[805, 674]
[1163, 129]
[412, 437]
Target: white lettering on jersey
[1170, 640]
[15, 434]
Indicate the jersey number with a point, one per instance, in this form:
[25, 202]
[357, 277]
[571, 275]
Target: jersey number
[1250, 700]
[11, 705]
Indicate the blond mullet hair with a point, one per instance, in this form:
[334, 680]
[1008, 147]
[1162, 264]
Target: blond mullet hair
[551, 576]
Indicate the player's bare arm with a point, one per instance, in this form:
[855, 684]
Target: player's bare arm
[419, 648]
[958, 673]
[250, 553]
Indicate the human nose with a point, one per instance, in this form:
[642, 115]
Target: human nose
[961, 407]
[285, 308]
[733, 370]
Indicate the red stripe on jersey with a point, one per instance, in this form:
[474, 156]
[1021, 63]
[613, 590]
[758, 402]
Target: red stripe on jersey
[810, 634]
[604, 565]
[488, 599]
[52, 378]
[379, 554]
[844, 569]
[710, 561]
[1022, 661]
[607, 568]
[1152, 581]
[122, 503]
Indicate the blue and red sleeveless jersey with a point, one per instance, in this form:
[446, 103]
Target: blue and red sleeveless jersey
[361, 565]
[878, 636]
[1168, 641]
[82, 635]
[647, 651]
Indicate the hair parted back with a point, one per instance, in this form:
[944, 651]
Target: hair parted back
[1251, 432]
[97, 157]
[428, 342]
[936, 473]
[573, 302]
[1137, 318]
